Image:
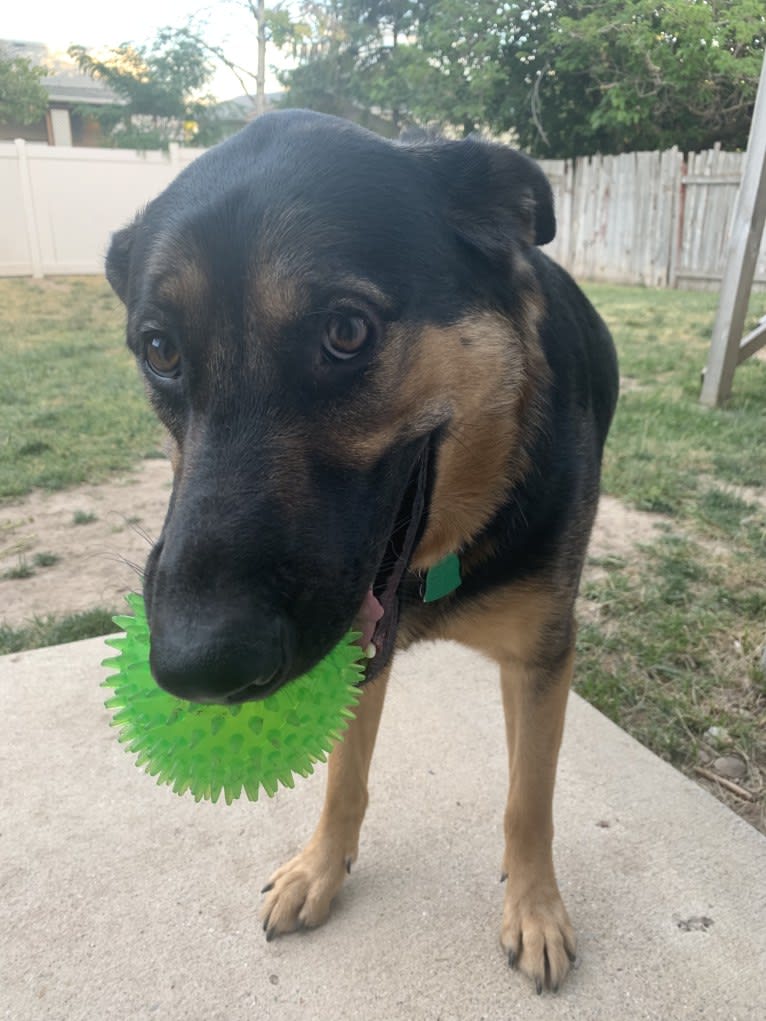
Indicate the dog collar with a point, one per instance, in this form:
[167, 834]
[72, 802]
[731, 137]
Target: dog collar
[442, 578]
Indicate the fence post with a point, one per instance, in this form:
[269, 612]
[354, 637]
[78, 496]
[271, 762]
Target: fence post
[28, 201]
[746, 232]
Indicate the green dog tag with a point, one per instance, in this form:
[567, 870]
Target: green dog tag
[442, 578]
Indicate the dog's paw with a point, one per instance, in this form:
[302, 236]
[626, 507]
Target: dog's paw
[537, 935]
[299, 894]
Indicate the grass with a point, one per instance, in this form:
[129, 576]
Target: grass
[83, 517]
[56, 630]
[673, 637]
[672, 633]
[66, 376]
[24, 569]
[45, 559]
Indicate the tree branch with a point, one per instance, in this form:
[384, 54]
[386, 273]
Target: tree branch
[535, 105]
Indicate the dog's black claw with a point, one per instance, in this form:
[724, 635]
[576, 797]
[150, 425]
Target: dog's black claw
[270, 934]
[348, 866]
[512, 958]
[571, 955]
[267, 887]
[538, 986]
[555, 989]
[503, 877]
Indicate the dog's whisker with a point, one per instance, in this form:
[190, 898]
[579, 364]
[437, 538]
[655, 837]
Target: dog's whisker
[139, 530]
[118, 558]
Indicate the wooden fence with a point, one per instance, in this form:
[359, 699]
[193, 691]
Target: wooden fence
[648, 218]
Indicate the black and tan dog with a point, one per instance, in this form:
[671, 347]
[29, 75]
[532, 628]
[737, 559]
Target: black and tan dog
[366, 367]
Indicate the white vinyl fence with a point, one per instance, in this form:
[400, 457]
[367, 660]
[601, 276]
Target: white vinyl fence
[646, 218]
[58, 205]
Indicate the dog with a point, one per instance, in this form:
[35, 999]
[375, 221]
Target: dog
[374, 384]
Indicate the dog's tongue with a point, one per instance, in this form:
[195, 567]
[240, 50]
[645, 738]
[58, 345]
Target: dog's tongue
[369, 614]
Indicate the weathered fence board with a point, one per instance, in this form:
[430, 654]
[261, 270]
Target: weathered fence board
[647, 217]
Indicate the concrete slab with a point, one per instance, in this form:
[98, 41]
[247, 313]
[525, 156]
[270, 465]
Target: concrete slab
[122, 901]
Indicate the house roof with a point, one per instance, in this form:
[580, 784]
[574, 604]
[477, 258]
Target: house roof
[64, 83]
[79, 88]
[241, 109]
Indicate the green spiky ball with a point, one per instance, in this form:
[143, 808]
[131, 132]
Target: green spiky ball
[210, 749]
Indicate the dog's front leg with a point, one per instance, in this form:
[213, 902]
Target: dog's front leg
[536, 932]
[300, 892]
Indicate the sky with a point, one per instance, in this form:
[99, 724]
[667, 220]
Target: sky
[103, 24]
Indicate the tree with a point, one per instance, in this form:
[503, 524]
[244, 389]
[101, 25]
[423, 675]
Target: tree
[460, 75]
[566, 77]
[23, 100]
[159, 85]
[273, 25]
[355, 56]
[631, 74]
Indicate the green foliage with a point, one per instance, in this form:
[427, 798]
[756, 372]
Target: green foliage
[567, 78]
[353, 57]
[634, 74]
[159, 86]
[23, 100]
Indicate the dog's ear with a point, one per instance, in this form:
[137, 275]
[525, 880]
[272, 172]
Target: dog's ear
[118, 259]
[493, 193]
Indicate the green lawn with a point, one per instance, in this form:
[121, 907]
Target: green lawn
[672, 641]
[71, 405]
[675, 643]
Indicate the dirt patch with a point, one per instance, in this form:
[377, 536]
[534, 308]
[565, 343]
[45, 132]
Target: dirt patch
[97, 561]
[620, 529]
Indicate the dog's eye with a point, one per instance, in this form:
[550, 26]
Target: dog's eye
[162, 356]
[345, 335]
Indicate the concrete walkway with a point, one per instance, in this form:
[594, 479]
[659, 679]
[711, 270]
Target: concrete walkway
[122, 901]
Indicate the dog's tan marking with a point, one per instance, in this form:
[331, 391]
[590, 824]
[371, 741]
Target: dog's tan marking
[529, 630]
[482, 379]
[479, 377]
[526, 622]
[185, 286]
[276, 297]
[536, 933]
[300, 892]
[176, 268]
[491, 382]
[281, 291]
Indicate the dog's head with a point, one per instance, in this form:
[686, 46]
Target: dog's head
[332, 328]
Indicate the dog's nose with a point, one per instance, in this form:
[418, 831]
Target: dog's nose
[220, 661]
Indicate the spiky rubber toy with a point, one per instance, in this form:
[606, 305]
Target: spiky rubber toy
[212, 749]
